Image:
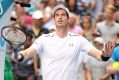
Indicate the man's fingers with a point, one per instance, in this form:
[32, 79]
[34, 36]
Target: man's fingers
[109, 45]
[19, 57]
[13, 57]
[113, 45]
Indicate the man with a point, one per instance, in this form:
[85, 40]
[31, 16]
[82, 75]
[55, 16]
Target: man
[82, 69]
[59, 50]
[108, 28]
[37, 24]
[73, 27]
[97, 69]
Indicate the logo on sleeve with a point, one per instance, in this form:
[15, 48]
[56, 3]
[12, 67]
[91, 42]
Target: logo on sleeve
[71, 44]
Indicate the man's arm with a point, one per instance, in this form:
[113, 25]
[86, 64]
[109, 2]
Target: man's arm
[103, 55]
[36, 65]
[23, 54]
[36, 47]
[111, 69]
[95, 53]
[87, 73]
[106, 76]
[28, 52]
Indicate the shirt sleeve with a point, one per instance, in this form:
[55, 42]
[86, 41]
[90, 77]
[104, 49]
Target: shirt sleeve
[86, 46]
[38, 44]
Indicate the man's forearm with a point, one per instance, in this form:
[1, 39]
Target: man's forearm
[28, 52]
[98, 54]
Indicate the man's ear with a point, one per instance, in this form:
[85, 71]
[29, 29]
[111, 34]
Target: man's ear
[68, 20]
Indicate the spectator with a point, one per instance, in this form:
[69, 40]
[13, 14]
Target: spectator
[37, 23]
[82, 70]
[108, 28]
[86, 25]
[116, 4]
[72, 25]
[73, 7]
[95, 8]
[117, 39]
[116, 17]
[8, 73]
[25, 70]
[37, 67]
[97, 68]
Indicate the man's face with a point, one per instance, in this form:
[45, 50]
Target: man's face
[61, 18]
[72, 21]
[37, 22]
[108, 14]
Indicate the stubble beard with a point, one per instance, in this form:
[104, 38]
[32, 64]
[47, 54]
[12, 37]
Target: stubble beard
[62, 27]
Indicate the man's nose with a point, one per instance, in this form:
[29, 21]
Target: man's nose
[60, 16]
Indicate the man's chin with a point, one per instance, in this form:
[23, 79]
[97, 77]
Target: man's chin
[60, 25]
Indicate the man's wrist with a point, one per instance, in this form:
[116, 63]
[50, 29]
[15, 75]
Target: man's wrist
[21, 58]
[103, 57]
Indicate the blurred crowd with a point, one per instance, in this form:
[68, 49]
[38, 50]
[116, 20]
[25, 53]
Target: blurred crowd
[96, 20]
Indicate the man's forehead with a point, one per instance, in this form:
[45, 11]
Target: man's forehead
[60, 7]
[61, 10]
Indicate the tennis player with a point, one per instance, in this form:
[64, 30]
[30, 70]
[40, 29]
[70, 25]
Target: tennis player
[59, 50]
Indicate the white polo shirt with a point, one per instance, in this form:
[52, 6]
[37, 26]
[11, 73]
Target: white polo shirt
[59, 56]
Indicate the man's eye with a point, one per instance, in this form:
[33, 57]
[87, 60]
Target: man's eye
[56, 14]
[63, 14]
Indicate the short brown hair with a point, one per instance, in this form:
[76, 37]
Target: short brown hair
[110, 7]
[61, 7]
[64, 10]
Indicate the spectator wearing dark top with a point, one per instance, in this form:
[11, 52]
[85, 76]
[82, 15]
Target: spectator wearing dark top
[25, 69]
[72, 6]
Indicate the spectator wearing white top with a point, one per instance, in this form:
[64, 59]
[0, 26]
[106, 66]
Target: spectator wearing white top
[108, 28]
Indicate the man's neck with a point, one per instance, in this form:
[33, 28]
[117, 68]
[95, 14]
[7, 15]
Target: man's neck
[109, 21]
[62, 32]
